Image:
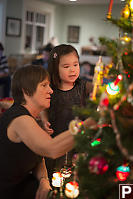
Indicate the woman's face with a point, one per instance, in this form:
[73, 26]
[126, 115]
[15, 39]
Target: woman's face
[42, 95]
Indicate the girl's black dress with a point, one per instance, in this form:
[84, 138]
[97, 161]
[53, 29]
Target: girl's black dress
[60, 114]
[16, 161]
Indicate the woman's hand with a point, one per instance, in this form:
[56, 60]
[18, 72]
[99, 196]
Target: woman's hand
[43, 189]
[47, 128]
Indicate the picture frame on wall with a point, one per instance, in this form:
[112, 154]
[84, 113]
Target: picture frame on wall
[13, 27]
[73, 34]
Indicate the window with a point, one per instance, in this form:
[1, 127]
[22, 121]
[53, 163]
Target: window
[34, 31]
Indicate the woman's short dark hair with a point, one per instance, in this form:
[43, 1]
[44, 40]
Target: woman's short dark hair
[54, 59]
[26, 79]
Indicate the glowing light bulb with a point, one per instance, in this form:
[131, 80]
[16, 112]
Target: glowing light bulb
[125, 38]
[125, 12]
[112, 89]
[131, 5]
[57, 180]
[72, 190]
[96, 142]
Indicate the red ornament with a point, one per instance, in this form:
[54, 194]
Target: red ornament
[98, 165]
[122, 172]
[105, 102]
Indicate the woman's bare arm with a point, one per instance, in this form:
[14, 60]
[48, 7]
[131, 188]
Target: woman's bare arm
[28, 131]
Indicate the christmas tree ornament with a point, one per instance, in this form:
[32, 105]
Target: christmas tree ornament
[125, 13]
[125, 38]
[104, 102]
[57, 179]
[66, 172]
[72, 189]
[112, 88]
[98, 77]
[122, 172]
[110, 9]
[75, 125]
[98, 165]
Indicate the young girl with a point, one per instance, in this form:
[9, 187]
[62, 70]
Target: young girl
[68, 90]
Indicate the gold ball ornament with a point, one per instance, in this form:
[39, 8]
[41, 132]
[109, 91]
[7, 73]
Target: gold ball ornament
[73, 127]
[125, 13]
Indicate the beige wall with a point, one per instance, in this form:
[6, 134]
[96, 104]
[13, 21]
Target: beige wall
[91, 20]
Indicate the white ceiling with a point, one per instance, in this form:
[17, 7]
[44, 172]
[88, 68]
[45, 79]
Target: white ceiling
[87, 2]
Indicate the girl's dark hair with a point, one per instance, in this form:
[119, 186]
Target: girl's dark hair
[26, 79]
[54, 59]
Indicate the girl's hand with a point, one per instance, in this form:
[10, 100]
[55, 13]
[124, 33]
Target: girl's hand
[43, 189]
[47, 128]
[90, 123]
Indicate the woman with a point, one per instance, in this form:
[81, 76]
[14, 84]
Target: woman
[23, 142]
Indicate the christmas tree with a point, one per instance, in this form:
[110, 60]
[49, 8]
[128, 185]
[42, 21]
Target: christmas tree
[104, 157]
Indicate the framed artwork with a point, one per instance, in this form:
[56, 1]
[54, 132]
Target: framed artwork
[13, 27]
[73, 34]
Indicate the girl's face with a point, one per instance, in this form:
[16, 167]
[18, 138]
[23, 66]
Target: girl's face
[69, 68]
[41, 97]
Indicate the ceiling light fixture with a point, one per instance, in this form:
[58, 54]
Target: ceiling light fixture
[72, 0]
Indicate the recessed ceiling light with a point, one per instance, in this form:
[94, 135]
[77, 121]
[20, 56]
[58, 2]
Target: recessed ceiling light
[72, 0]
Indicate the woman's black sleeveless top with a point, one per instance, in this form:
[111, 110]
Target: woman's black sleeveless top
[16, 159]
